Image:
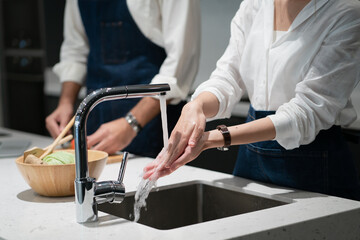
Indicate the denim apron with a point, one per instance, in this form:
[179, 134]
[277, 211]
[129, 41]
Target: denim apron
[324, 166]
[121, 55]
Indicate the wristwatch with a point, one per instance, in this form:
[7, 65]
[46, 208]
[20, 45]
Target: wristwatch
[227, 138]
[133, 122]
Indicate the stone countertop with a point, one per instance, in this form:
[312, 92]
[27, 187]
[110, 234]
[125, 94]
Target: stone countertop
[27, 215]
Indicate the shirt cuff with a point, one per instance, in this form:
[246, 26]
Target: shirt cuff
[222, 113]
[70, 71]
[175, 93]
[286, 134]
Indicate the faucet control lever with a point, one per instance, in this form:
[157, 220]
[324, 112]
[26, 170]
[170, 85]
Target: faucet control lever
[123, 167]
[112, 191]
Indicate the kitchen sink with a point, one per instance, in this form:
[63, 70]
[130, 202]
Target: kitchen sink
[189, 203]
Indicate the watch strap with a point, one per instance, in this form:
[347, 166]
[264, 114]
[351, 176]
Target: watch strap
[227, 138]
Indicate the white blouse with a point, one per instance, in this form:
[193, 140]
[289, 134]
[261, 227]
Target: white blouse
[278, 35]
[171, 24]
[306, 75]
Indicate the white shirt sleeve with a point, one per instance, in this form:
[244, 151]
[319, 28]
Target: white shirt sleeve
[181, 33]
[180, 30]
[326, 88]
[74, 49]
[225, 82]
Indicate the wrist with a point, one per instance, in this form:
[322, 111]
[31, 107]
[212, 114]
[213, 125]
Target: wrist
[208, 103]
[65, 103]
[195, 106]
[69, 92]
[132, 121]
[198, 103]
[214, 139]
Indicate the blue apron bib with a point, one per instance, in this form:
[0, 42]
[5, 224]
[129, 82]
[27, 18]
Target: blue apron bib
[121, 55]
[324, 166]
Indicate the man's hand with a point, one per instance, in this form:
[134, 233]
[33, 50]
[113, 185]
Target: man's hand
[112, 136]
[58, 119]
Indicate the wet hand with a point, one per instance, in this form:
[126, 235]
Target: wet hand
[157, 168]
[112, 136]
[183, 143]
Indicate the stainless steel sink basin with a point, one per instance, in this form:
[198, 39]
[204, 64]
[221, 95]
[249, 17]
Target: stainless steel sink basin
[189, 203]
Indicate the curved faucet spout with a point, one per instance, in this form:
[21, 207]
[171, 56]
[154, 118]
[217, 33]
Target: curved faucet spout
[84, 185]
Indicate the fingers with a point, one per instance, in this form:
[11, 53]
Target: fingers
[155, 163]
[99, 141]
[112, 136]
[154, 166]
[56, 123]
[189, 154]
[147, 174]
[53, 127]
[171, 153]
[63, 122]
[150, 167]
[101, 146]
[95, 138]
[104, 145]
[188, 131]
[155, 169]
[177, 143]
[156, 174]
[196, 135]
[58, 119]
[177, 147]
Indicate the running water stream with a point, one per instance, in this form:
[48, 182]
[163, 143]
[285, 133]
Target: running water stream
[145, 186]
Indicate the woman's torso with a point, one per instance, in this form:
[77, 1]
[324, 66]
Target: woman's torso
[273, 69]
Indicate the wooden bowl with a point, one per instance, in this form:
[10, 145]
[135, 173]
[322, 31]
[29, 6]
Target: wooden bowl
[58, 180]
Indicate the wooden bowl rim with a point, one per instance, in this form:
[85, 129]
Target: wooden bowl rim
[20, 160]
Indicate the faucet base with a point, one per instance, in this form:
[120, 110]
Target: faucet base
[86, 208]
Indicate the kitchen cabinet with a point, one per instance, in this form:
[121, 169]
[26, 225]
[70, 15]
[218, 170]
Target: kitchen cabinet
[23, 58]
[23, 61]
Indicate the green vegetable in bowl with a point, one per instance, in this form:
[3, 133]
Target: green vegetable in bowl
[58, 158]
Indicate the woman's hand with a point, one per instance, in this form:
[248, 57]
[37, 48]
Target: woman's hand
[185, 144]
[156, 169]
[112, 136]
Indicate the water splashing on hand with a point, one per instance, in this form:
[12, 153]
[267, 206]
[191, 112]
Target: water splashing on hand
[145, 186]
